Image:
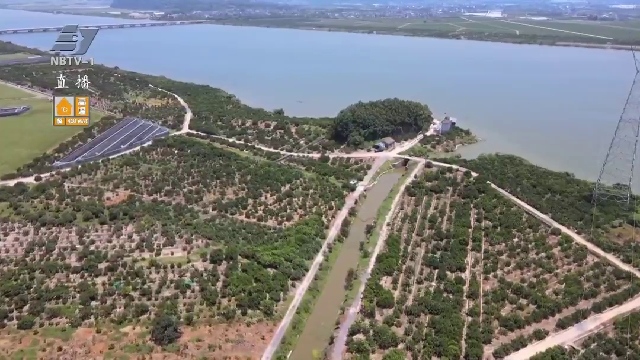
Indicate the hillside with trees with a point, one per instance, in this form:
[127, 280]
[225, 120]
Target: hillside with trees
[467, 274]
[371, 121]
[565, 198]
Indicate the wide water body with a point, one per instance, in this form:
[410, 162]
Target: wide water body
[557, 107]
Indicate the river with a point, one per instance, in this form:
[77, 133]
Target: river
[555, 106]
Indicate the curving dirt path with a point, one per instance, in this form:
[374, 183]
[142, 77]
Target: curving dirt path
[31, 179]
[187, 116]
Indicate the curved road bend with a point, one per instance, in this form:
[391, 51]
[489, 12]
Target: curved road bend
[341, 338]
[568, 335]
[187, 116]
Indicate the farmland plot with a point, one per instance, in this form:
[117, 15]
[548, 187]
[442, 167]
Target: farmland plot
[412, 306]
[182, 227]
[199, 175]
[467, 274]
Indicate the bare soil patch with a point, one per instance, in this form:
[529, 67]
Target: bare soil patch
[222, 341]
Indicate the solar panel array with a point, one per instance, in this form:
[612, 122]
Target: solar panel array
[125, 135]
[13, 111]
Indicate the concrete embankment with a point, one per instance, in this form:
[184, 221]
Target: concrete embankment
[321, 323]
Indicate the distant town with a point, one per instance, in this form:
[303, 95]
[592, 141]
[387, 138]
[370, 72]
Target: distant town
[534, 11]
[585, 24]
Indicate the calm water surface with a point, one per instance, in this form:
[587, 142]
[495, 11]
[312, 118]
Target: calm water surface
[557, 107]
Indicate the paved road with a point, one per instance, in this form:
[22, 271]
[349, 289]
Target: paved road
[566, 336]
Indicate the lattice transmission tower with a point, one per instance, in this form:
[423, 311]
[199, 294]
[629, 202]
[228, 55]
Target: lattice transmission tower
[616, 175]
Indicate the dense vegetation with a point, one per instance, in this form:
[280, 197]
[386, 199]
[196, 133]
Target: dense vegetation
[435, 146]
[217, 112]
[467, 274]
[565, 198]
[371, 121]
[11, 48]
[206, 232]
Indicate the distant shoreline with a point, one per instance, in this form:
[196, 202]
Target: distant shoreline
[398, 33]
[394, 32]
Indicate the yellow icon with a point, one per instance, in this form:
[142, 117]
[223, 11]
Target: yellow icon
[59, 121]
[64, 108]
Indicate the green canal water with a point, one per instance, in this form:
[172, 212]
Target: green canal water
[322, 321]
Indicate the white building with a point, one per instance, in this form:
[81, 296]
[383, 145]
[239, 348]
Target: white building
[443, 126]
[489, 14]
[136, 15]
[447, 124]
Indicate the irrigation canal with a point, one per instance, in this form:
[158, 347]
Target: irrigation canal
[321, 323]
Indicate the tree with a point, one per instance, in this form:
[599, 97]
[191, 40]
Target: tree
[165, 330]
[395, 354]
[374, 120]
[26, 322]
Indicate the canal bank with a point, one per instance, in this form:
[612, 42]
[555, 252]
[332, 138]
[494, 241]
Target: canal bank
[321, 323]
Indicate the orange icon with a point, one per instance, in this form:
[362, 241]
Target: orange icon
[82, 105]
[64, 108]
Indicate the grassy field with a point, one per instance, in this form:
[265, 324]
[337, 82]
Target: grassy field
[26, 136]
[473, 27]
[4, 57]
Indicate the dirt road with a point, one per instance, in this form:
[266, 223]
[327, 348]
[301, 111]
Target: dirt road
[187, 116]
[576, 332]
[302, 288]
[577, 238]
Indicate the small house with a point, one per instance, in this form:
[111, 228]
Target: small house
[384, 144]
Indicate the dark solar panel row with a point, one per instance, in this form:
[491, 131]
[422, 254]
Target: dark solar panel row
[13, 111]
[75, 154]
[127, 134]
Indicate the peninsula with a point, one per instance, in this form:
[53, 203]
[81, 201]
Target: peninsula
[248, 233]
